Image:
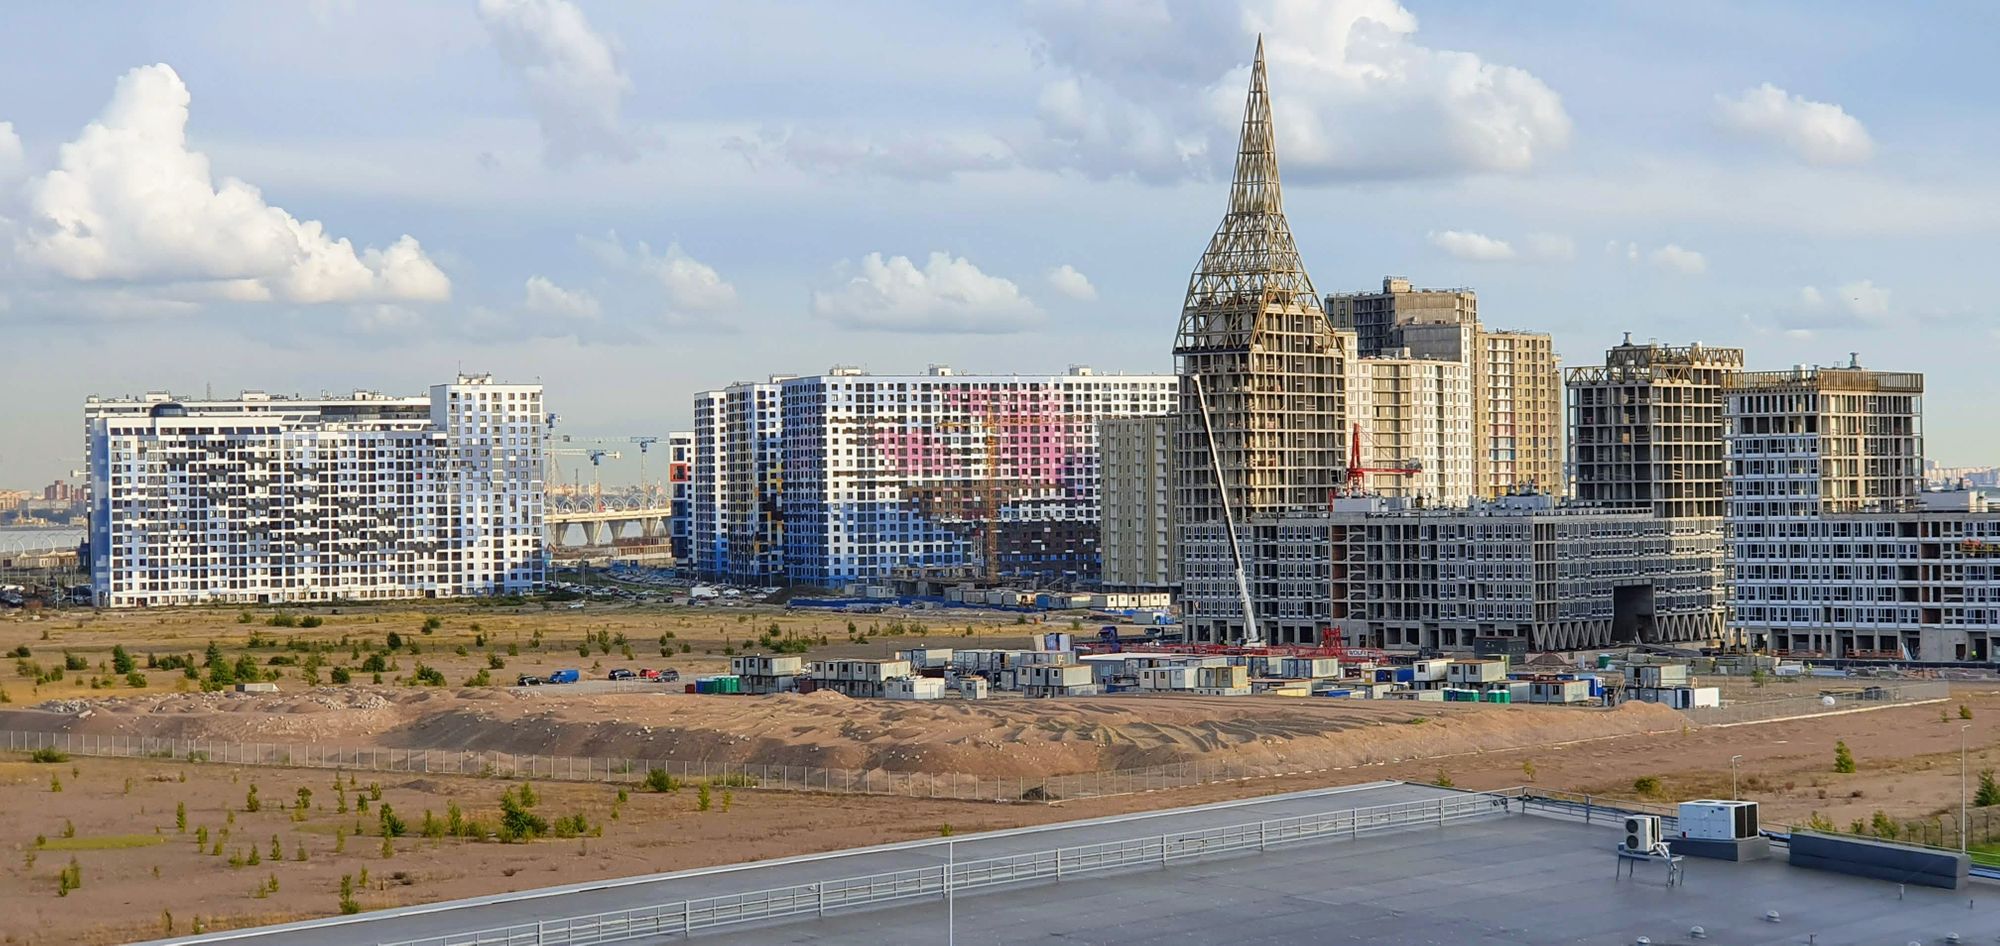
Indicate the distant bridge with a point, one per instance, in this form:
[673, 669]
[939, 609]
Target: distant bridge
[602, 527]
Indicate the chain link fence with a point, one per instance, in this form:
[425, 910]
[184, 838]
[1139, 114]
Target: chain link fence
[1869, 696]
[635, 770]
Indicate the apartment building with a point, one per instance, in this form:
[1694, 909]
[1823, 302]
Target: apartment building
[1834, 549]
[736, 530]
[264, 499]
[884, 473]
[1511, 431]
[1138, 541]
[1524, 567]
[1415, 415]
[1647, 428]
[680, 495]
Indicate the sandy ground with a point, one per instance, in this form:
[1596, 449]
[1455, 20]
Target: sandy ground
[1008, 738]
[1907, 760]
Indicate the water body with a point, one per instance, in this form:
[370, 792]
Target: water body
[39, 539]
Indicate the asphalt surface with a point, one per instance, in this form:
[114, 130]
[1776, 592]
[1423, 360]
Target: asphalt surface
[552, 903]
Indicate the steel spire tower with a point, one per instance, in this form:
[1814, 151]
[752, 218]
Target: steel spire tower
[1263, 387]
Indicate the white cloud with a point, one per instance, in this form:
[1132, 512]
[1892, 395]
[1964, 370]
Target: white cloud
[1818, 132]
[1466, 245]
[948, 294]
[1480, 248]
[695, 294]
[1857, 304]
[1864, 299]
[12, 164]
[541, 296]
[128, 202]
[1679, 259]
[1066, 280]
[691, 285]
[575, 86]
[1155, 90]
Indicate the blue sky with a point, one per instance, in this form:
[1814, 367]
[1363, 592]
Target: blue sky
[636, 201]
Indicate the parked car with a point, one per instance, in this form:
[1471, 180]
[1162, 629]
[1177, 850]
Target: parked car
[620, 674]
[528, 680]
[565, 676]
[668, 676]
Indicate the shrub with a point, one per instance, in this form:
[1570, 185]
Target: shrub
[1647, 786]
[1884, 826]
[394, 641]
[493, 662]
[342, 676]
[347, 901]
[432, 624]
[517, 823]
[1443, 779]
[1843, 759]
[392, 826]
[658, 780]
[702, 798]
[135, 680]
[311, 620]
[250, 800]
[121, 662]
[48, 754]
[74, 662]
[1821, 823]
[484, 678]
[1964, 711]
[427, 676]
[1989, 793]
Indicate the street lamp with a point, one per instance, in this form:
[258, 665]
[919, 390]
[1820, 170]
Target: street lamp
[1961, 786]
[1732, 776]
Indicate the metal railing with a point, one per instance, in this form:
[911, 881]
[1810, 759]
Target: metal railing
[684, 917]
[1870, 695]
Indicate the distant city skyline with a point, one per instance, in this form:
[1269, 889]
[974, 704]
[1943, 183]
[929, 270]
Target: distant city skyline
[618, 203]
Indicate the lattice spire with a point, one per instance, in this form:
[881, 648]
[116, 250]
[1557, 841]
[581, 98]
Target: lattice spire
[1251, 258]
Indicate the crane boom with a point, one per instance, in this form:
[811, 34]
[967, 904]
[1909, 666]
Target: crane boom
[1251, 635]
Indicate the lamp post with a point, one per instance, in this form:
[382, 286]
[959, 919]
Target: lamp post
[1732, 776]
[1961, 787]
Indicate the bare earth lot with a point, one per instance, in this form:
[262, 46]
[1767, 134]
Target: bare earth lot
[137, 867]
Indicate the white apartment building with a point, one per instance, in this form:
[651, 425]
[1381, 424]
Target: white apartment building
[1138, 540]
[736, 532]
[264, 499]
[1834, 549]
[883, 473]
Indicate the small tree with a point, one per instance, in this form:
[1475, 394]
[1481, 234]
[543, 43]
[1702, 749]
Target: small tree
[1758, 678]
[347, 901]
[121, 662]
[180, 817]
[1443, 779]
[1884, 826]
[1964, 711]
[1989, 793]
[1646, 785]
[1821, 823]
[1528, 769]
[701, 798]
[250, 801]
[1843, 759]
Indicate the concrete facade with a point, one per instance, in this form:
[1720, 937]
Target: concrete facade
[270, 500]
[1646, 428]
[1834, 550]
[1139, 542]
[736, 533]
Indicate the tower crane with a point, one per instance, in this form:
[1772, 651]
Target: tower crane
[645, 487]
[1357, 474]
[597, 458]
[1251, 635]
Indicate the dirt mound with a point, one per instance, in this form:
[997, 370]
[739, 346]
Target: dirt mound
[996, 738]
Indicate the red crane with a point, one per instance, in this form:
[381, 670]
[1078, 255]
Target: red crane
[1356, 473]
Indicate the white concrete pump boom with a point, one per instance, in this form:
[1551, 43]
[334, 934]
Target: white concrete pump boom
[1251, 635]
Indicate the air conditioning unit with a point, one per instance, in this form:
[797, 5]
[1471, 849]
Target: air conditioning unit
[1713, 820]
[1642, 833]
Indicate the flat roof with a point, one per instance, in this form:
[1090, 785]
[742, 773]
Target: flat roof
[1497, 878]
[1521, 879]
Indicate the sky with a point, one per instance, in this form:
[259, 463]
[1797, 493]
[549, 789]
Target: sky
[632, 202]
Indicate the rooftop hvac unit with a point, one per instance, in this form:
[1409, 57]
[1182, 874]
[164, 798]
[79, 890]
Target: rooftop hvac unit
[1713, 820]
[1642, 833]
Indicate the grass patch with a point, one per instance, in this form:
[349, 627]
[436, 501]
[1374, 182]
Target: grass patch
[104, 842]
[1986, 855]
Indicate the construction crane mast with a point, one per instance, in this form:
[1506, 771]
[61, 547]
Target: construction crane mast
[1251, 635]
[988, 493]
[1357, 474]
[645, 443]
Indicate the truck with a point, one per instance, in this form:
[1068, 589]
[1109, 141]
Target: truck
[1111, 639]
[565, 676]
